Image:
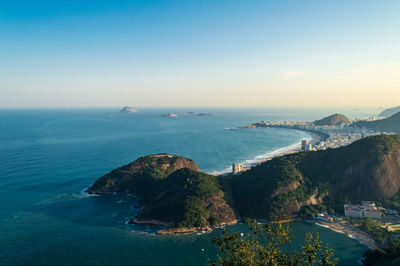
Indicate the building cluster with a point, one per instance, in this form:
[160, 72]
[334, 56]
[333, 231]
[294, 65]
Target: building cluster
[366, 209]
[237, 168]
[324, 216]
[335, 136]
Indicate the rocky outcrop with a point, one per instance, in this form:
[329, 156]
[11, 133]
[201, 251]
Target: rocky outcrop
[289, 187]
[387, 175]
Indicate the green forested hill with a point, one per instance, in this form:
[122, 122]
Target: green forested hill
[172, 190]
[368, 169]
[332, 120]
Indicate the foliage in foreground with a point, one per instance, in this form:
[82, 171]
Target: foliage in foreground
[263, 246]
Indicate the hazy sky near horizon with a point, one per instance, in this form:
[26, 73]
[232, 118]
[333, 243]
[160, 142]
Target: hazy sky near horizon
[80, 53]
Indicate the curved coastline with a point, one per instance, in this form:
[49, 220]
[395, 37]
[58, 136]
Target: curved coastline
[310, 136]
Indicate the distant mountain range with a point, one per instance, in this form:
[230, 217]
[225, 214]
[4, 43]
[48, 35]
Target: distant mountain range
[332, 120]
[390, 111]
[390, 124]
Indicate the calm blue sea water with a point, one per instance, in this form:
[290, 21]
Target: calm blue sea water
[47, 157]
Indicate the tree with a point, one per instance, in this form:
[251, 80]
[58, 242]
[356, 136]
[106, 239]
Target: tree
[262, 246]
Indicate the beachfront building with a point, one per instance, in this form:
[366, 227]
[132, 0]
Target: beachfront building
[237, 168]
[303, 145]
[308, 147]
[324, 217]
[366, 209]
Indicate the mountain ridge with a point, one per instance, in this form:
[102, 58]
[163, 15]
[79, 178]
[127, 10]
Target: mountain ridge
[390, 124]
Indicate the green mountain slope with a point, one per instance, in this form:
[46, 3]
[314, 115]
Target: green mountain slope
[189, 199]
[141, 175]
[368, 169]
[390, 124]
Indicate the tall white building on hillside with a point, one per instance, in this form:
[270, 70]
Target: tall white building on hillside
[237, 168]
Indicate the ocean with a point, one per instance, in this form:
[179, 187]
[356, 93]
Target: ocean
[49, 156]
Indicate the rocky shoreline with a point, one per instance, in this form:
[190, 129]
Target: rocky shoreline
[170, 230]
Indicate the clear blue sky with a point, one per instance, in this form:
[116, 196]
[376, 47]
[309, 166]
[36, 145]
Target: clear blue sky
[199, 53]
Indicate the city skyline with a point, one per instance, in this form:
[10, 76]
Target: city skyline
[199, 53]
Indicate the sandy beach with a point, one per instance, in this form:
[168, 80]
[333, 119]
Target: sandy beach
[348, 229]
[315, 138]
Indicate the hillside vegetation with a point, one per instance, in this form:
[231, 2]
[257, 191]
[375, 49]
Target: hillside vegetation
[368, 169]
[175, 193]
[172, 192]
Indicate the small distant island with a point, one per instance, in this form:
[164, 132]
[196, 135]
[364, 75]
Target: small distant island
[128, 110]
[171, 115]
[203, 114]
[185, 114]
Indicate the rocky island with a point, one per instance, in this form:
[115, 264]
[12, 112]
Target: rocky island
[203, 114]
[171, 115]
[128, 110]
